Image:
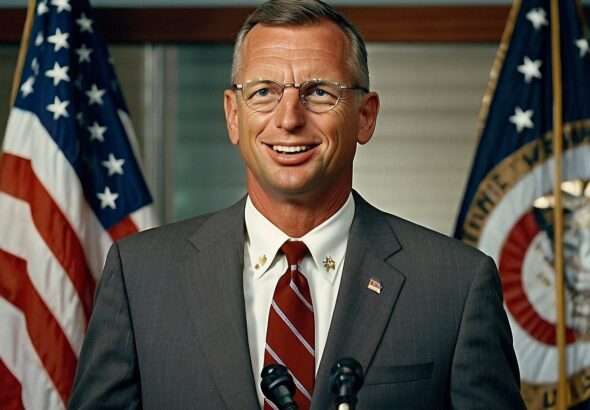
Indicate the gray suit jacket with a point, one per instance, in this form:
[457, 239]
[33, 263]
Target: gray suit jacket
[168, 329]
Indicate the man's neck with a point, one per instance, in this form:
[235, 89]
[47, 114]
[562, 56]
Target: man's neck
[297, 217]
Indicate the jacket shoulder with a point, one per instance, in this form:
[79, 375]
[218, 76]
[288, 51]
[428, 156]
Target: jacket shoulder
[174, 235]
[422, 247]
[419, 237]
[168, 234]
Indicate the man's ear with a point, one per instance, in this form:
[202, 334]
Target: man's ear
[368, 111]
[230, 105]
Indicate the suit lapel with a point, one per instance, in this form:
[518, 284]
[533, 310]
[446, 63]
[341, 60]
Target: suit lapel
[213, 291]
[212, 285]
[361, 315]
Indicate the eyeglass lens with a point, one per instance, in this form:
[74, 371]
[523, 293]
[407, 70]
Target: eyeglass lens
[317, 96]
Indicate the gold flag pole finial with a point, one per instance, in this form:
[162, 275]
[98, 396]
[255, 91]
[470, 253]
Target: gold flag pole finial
[562, 391]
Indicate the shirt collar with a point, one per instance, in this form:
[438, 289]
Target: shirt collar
[263, 241]
[326, 242]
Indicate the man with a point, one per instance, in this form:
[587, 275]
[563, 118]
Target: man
[187, 315]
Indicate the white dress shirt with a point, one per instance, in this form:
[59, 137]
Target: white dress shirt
[263, 267]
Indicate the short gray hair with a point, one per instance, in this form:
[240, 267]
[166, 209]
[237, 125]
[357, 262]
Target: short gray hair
[301, 13]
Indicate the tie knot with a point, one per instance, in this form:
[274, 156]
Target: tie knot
[294, 251]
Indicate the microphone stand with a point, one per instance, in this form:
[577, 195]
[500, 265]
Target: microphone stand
[278, 386]
[346, 379]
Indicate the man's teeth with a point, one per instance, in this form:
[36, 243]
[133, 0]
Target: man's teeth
[290, 149]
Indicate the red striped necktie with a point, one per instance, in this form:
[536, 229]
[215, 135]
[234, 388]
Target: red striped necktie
[290, 335]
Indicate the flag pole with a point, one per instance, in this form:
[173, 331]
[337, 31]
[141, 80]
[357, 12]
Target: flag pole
[562, 396]
[22, 52]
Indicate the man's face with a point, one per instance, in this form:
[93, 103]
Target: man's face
[321, 147]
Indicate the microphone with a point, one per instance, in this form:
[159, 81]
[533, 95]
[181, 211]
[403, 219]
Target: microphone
[346, 379]
[278, 386]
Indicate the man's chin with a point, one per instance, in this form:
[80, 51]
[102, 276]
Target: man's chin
[297, 187]
[309, 192]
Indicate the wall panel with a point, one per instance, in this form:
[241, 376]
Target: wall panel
[418, 160]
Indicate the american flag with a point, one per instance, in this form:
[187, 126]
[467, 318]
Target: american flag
[70, 185]
[508, 202]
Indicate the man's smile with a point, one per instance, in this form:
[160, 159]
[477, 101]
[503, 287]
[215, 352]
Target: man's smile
[290, 155]
[286, 149]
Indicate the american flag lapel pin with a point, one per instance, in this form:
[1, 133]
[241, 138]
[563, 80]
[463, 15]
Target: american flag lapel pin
[375, 286]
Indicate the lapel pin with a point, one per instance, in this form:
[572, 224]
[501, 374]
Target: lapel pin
[329, 263]
[261, 261]
[375, 286]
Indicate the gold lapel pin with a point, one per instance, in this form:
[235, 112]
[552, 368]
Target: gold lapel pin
[261, 262]
[329, 264]
[375, 286]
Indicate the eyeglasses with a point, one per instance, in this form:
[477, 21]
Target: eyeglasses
[318, 96]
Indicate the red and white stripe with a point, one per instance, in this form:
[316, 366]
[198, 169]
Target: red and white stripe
[290, 336]
[52, 249]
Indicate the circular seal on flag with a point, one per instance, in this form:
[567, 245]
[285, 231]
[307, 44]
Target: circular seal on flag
[511, 219]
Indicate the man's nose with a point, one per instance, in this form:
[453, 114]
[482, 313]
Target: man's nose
[290, 113]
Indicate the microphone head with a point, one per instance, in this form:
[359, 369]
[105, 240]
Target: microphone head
[346, 379]
[278, 386]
